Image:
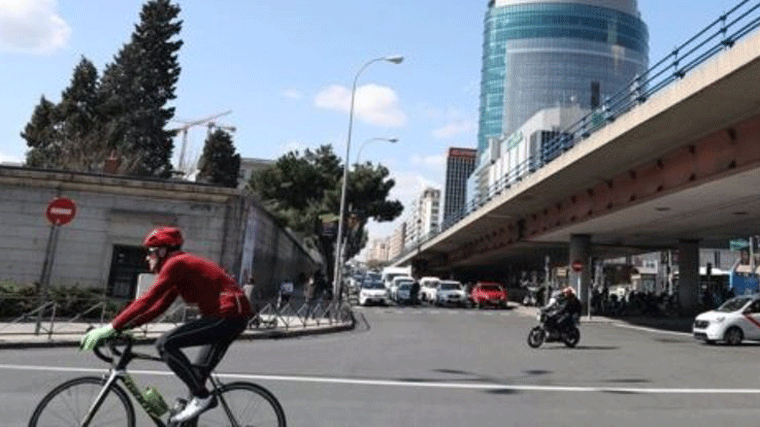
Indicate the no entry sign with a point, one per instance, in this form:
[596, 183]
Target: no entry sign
[577, 266]
[61, 211]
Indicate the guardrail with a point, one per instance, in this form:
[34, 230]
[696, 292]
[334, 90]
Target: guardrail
[718, 36]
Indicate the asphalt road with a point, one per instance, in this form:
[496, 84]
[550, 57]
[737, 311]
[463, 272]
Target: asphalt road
[454, 367]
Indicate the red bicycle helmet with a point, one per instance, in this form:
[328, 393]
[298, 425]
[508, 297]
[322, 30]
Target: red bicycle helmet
[164, 236]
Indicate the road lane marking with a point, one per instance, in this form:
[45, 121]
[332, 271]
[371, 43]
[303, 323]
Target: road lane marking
[645, 329]
[415, 384]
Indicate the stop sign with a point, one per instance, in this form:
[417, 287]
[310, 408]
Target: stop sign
[577, 266]
[61, 210]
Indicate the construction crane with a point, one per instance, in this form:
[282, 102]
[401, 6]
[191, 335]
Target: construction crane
[186, 127]
[214, 125]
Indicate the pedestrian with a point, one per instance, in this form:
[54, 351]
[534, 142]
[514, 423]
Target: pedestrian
[286, 290]
[310, 293]
[414, 293]
[252, 292]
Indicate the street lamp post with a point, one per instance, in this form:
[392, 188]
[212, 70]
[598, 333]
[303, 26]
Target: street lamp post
[358, 154]
[337, 272]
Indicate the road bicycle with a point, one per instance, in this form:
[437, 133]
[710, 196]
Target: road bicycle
[100, 401]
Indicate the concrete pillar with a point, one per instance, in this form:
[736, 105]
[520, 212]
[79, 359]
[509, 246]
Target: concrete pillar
[580, 251]
[688, 275]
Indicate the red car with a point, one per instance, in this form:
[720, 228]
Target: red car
[488, 294]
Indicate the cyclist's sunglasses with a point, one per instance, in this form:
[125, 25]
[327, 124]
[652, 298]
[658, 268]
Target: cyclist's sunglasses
[153, 251]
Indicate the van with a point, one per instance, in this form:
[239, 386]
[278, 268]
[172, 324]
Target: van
[389, 273]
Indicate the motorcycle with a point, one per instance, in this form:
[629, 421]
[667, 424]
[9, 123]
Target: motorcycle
[569, 335]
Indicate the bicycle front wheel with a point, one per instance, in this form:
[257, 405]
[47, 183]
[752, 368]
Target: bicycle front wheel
[67, 405]
[244, 404]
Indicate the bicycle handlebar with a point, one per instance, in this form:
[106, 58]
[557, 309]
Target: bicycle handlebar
[127, 341]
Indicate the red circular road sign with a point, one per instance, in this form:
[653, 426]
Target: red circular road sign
[578, 266]
[61, 211]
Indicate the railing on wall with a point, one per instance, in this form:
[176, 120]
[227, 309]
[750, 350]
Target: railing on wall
[718, 36]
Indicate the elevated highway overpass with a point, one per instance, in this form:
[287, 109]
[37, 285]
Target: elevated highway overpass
[678, 170]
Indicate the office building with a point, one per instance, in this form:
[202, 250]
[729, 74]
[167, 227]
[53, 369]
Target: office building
[460, 163]
[549, 53]
[396, 241]
[528, 148]
[378, 250]
[424, 218]
[249, 165]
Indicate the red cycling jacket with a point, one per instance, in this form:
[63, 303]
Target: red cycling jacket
[198, 281]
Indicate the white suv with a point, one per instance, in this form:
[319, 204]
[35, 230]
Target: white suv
[450, 292]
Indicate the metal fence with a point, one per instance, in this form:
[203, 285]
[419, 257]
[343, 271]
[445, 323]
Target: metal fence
[48, 319]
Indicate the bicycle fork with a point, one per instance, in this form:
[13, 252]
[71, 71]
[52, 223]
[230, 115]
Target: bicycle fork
[114, 375]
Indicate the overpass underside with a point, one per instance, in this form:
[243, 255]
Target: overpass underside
[682, 166]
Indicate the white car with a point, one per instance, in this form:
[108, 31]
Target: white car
[427, 288]
[373, 292]
[735, 320]
[450, 292]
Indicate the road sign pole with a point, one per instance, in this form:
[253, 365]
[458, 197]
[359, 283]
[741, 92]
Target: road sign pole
[588, 295]
[60, 211]
[47, 266]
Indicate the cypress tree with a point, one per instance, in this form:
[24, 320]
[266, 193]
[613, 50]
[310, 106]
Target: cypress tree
[219, 164]
[137, 86]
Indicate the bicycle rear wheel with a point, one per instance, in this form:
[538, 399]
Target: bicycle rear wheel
[67, 404]
[247, 404]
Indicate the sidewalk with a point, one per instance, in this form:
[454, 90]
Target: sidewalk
[672, 324]
[22, 335]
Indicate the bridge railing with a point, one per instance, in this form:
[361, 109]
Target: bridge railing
[718, 36]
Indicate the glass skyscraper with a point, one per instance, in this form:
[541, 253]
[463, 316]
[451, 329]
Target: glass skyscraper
[546, 53]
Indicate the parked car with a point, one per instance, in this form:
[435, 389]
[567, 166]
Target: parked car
[396, 282]
[735, 320]
[404, 292]
[489, 294]
[427, 288]
[373, 292]
[450, 292]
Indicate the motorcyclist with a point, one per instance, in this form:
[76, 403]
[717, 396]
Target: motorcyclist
[563, 310]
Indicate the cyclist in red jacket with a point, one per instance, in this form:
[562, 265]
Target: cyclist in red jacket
[222, 304]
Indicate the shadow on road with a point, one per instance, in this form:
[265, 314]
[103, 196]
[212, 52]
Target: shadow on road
[580, 347]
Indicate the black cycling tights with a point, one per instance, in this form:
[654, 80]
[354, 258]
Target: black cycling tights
[215, 334]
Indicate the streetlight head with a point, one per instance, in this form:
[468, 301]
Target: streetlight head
[393, 140]
[395, 59]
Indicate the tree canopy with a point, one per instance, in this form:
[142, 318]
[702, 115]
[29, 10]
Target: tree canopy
[303, 193]
[125, 111]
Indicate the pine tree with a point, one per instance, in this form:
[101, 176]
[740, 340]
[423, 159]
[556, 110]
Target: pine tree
[83, 148]
[219, 164]
[43, 136]
[137, 86]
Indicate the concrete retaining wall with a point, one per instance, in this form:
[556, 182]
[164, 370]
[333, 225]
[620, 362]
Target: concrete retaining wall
[221, 224]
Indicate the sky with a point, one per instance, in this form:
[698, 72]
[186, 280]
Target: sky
[284, 71]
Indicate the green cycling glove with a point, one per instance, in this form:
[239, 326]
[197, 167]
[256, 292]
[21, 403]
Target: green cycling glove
[92, 338]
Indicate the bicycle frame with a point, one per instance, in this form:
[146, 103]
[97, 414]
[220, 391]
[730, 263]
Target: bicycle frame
[118, 372]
